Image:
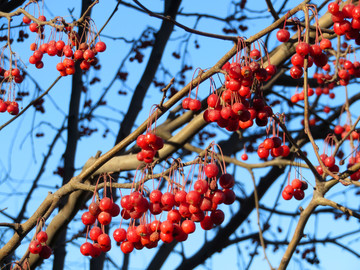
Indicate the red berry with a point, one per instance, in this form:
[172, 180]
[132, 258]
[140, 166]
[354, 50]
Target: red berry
[303, 48]
[286, 195]
[26, 20]
[193, 197]
[45, 252]
[35, 247]
[296, 72]
[333, 7]
[347, 10]
[104, 241]
[263, 153]
[155, 196]
[127, 247]
[296, 184]
[168, 200]
[207, 223]
[217, 216]
[188, 226]
[42, 237]
[166, 227]
[211, 170]
[94, 209]
[104, 218]
[329, 161]
[87, 218]
[115, 210]
[174, 216]
[255, 54]
[94, 233]
[88, 54]
[226, 181]
[60, 45]
[244, 157]
[100, 46]
[105, 204]
[356, 12]
[229, 196]
[96, 250]
[283, 35]
[268, 143]
[201, 186]
[299, 194]
[86, 249]
[119, 234]
[185, 103]
[297, 60]
[33, 27]
[194, 105]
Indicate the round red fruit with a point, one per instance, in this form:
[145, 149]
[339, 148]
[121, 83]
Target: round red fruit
[188, 226]
[211, 170]
[87, 218]
[226, 181]
[299, 194]
[86, 249]
[127, 247]
[283, 35]
[94, 233]
[100, 46]
[42, 237]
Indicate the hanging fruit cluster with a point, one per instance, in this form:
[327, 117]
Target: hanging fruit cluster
[12, 77]
[315, 54]
[350, 28]
[145, 210]
[71, 50]
[38, 245]
[296, 190]
[236, 108]
[274, 147]
[99, 211]
[149, 143]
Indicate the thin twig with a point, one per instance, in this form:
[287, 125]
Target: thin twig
[272, 10]
[164, 90]
[256, 199]
[187, 29]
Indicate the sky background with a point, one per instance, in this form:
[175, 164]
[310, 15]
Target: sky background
[22, 152]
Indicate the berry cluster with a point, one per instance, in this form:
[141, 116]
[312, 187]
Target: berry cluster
[144, 210]
[12, 107]
[343, 131]
[149, 144]
[38, 246]
[329, 162]
[192, 104]
[103, 212]
[233, 111]
[72, 51]
[296, 190]
[235, 108]
[315, 53]
[273, 146]
[12, 76]
[184, 210]
[341, 25]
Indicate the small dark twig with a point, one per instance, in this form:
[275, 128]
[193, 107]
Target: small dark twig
[14, 226]
[272, 10]
[164, 90]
